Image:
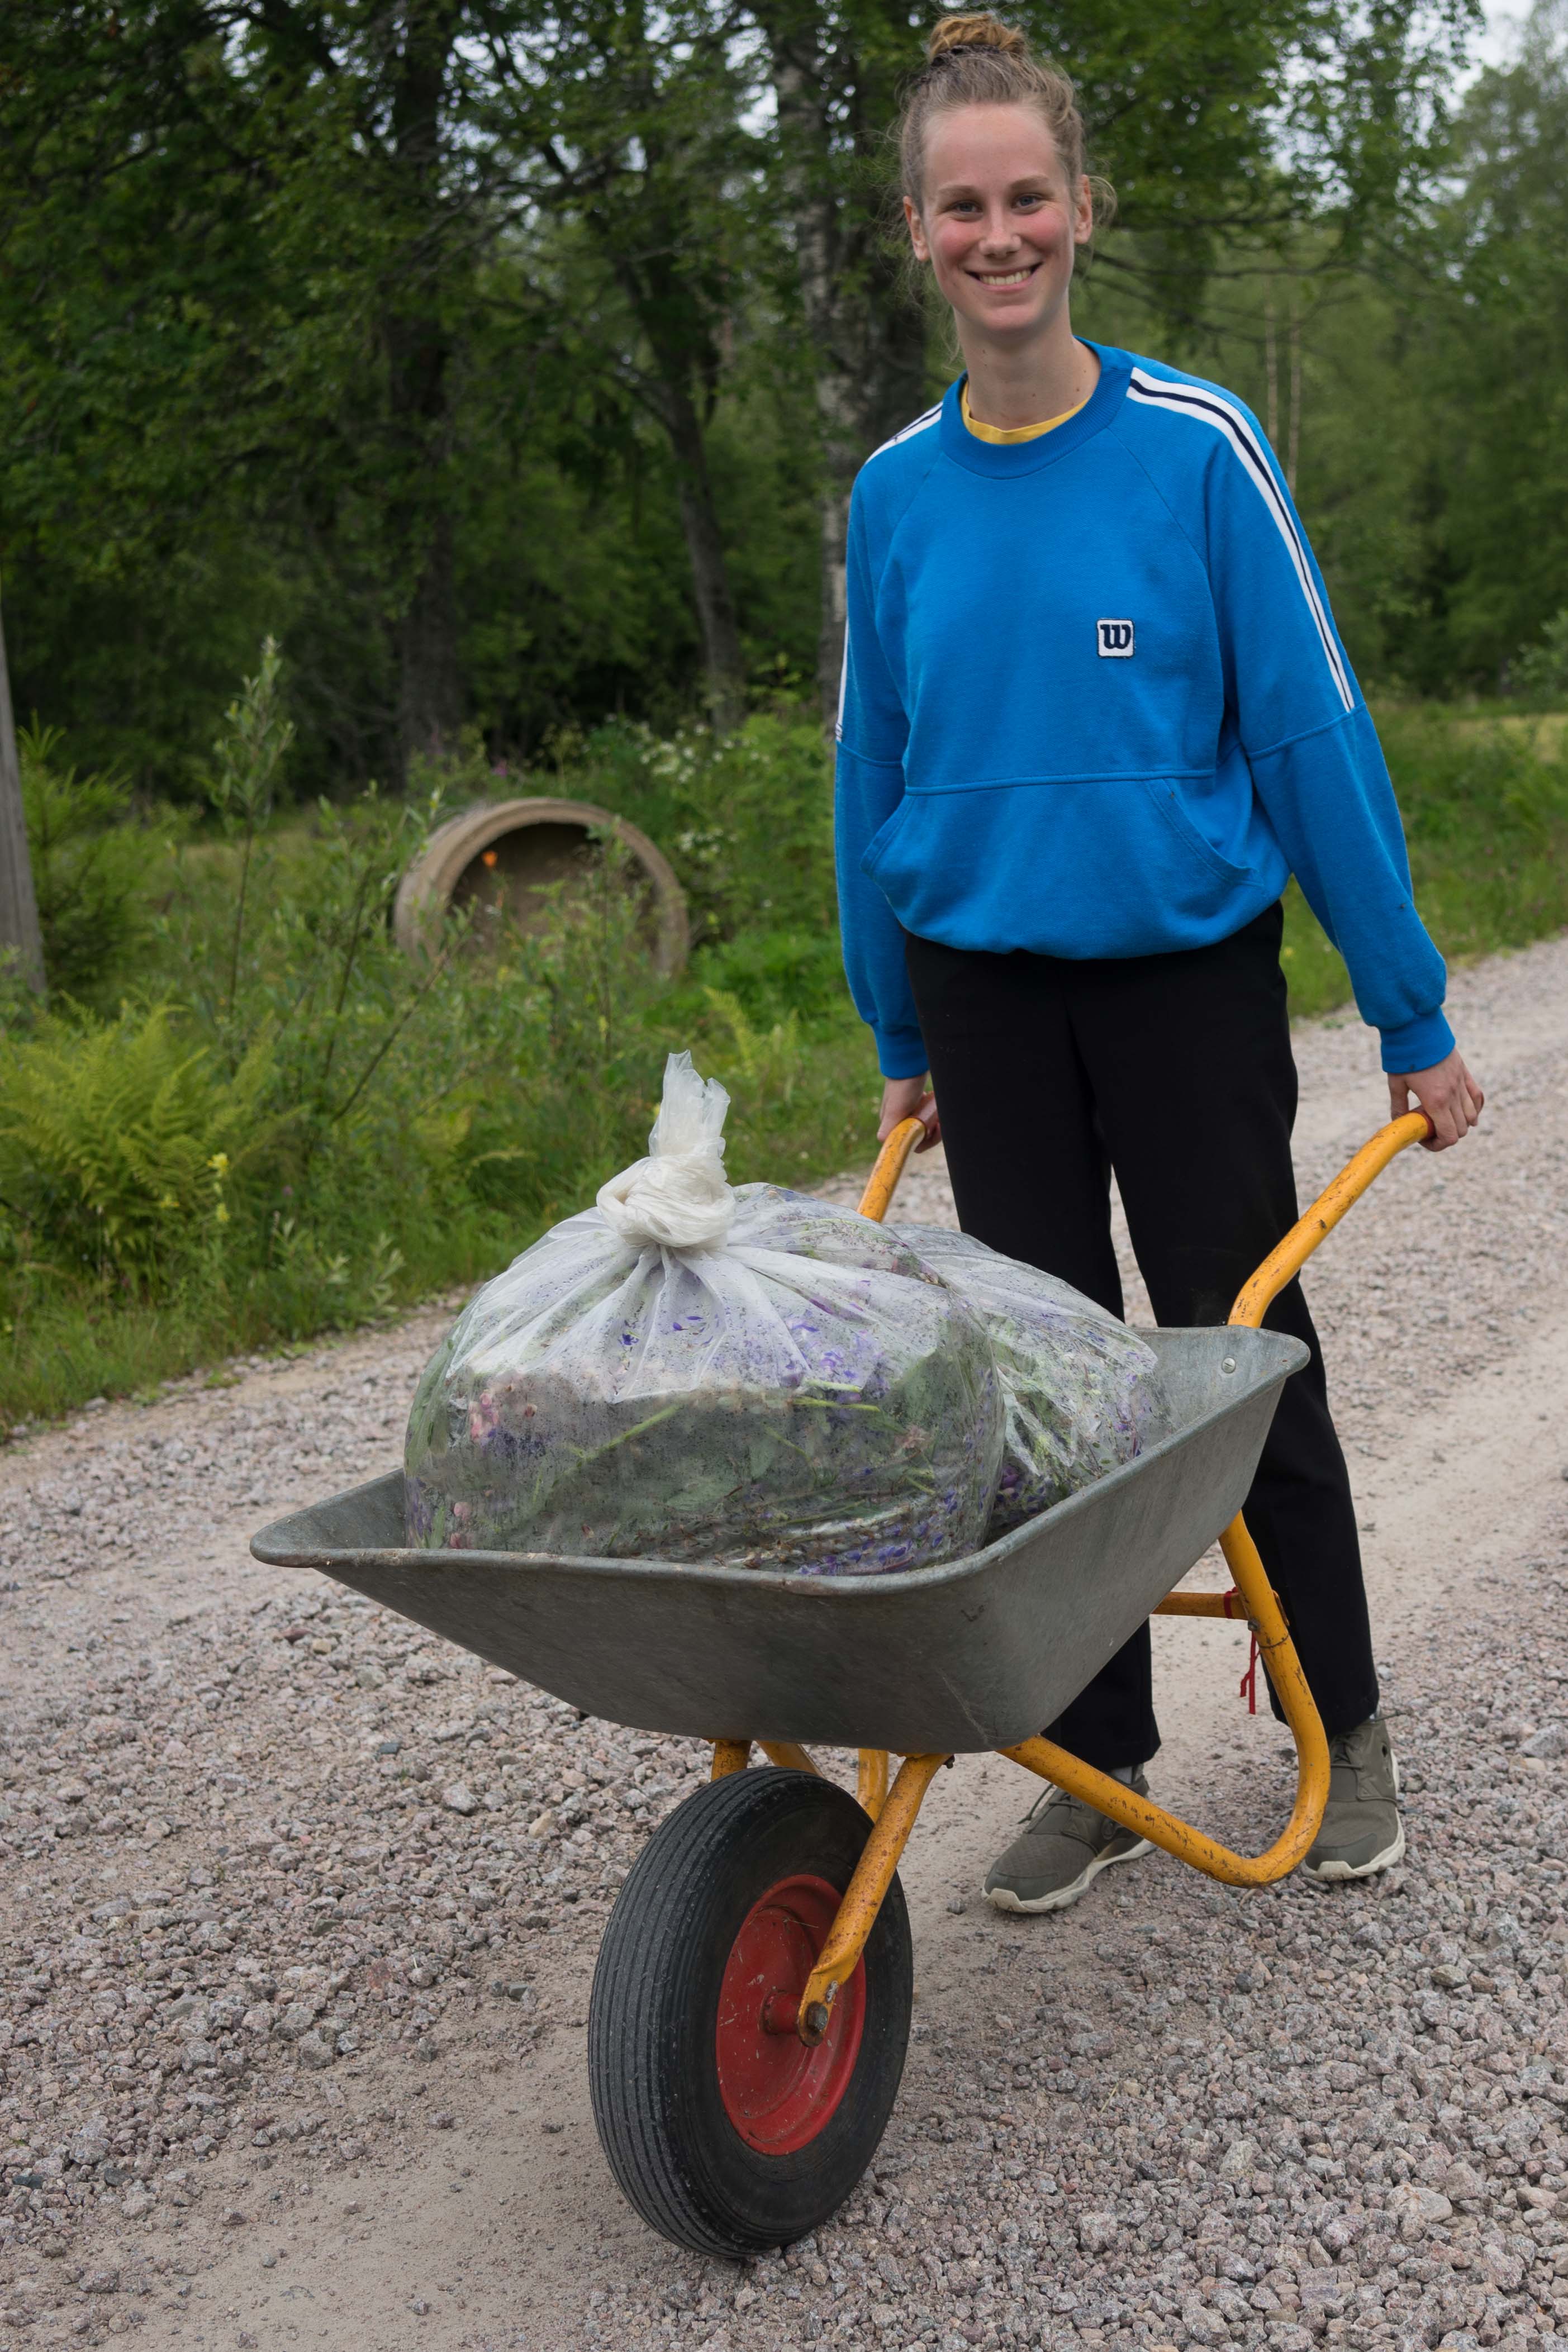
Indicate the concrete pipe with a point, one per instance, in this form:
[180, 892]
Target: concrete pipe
[503, 855]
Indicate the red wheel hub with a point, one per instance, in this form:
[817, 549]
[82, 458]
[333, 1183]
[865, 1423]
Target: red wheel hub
[778, 2094]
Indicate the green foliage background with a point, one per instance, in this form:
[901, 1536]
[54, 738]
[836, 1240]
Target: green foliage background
[425, 337]
[500, 374]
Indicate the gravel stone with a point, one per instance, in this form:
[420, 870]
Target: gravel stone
[1414, 2209]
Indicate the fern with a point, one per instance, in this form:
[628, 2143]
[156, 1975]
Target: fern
[117, 1142]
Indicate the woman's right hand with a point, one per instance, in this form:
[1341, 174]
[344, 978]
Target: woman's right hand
[1447, 1094]
[910, 1099]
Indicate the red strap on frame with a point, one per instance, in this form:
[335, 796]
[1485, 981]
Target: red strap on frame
[1248, 1687]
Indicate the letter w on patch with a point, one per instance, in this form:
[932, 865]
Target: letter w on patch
[1115, 640]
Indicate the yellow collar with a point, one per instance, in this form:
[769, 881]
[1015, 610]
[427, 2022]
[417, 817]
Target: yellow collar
[1010, 433]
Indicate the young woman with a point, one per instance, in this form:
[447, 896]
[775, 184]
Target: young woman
[1095, 712]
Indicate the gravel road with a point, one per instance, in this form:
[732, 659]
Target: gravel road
[300, 1908]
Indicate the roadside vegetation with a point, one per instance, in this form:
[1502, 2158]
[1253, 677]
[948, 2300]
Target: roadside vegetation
[246, 1117]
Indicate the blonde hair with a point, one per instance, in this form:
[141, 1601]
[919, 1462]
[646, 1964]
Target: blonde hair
[980, 61]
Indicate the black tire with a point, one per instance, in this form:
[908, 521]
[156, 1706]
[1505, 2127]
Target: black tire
[653, 2021]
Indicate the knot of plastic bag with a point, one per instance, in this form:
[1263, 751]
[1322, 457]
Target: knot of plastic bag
[677, 1198]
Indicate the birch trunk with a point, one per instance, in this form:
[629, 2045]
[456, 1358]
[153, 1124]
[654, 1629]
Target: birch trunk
[1290, 461]
[1271, 364]
[19, 929]
[867, 335]
[679, 391]
[722, 658]
[418, 348]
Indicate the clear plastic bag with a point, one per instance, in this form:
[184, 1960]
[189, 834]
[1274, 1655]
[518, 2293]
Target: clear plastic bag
[745, 1376]
[1082, 1392]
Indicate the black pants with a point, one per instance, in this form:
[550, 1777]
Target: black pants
[1175, 1071]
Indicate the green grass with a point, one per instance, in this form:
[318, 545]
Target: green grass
[496, 1101]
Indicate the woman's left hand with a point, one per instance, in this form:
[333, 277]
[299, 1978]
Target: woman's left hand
[1447, 1093]
[906, 1098]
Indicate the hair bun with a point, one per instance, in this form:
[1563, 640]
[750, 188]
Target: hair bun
[982, 32]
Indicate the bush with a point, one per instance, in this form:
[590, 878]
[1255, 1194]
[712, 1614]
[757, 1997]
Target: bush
[1488, 819]
[746, 820]
[119, 1146]
[89, 870]
[1538, 672]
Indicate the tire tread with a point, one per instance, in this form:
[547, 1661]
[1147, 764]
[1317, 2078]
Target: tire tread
[656, 1938]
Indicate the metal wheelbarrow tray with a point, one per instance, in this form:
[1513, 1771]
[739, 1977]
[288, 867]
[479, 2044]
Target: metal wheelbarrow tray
[751, 2000]
[972, 1655]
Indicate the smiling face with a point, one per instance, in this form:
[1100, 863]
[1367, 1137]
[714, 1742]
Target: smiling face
[999, 222]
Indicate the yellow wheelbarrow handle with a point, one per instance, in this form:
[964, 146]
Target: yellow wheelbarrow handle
[883, 1181]
[1282, 1264]
[1281, 1267]
[1259, 1602]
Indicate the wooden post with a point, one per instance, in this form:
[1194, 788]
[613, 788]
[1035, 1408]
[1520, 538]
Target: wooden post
[18, 905]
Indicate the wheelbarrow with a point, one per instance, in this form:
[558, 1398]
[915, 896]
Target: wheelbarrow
[750, 2006]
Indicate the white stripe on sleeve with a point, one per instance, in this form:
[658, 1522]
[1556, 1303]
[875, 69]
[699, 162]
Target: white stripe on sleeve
[1206, 407]
[920, 424]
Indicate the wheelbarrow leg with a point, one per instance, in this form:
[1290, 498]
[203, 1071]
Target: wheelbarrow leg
[1165, 1830]
[871, 1780]
[863, 1896]
[734, 1755]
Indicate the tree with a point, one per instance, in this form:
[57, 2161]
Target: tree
[1489, 317]
[1432, 416]
[240, 236]
[634, 118]
[835, 82]
[332, 179]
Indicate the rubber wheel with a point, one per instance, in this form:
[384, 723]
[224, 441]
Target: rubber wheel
[724, 2132]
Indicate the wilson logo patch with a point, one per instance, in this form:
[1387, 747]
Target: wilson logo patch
[1115, 640]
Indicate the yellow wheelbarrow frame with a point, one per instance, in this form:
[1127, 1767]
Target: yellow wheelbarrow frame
[893, 1810]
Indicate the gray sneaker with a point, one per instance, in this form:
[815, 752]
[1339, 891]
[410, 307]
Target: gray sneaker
[1064, 1847]
[1361, 1831]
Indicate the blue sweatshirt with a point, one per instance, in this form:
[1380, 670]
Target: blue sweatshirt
[1094, 704]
